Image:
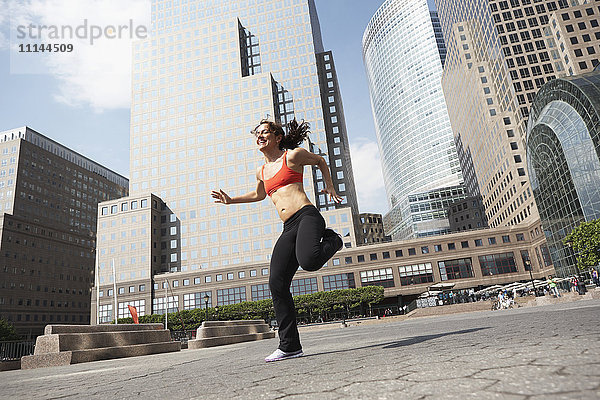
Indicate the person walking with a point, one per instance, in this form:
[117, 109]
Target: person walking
[552, 285]
[305, 241]
[595, 278]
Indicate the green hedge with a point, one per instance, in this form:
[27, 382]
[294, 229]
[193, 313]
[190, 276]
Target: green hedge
[320, 303]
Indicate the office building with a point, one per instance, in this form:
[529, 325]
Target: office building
[48, 198]
[577, 34]
[563, 144]
[403, 52]
[207, 74]
[406, 269]
[499, 54]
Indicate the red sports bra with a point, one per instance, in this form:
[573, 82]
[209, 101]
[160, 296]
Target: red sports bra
[282, 178]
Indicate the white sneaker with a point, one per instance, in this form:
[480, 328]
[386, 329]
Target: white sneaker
[279, 355]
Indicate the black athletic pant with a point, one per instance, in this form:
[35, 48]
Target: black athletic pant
[299, 244]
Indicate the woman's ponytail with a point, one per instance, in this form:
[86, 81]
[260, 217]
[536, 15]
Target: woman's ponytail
[296, 134]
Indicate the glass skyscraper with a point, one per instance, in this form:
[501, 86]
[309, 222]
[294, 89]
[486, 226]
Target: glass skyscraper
[206, 75]
[403, 53]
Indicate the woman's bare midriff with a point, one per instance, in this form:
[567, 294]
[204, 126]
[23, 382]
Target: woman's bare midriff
[289, 199]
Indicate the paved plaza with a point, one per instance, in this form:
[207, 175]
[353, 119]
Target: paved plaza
[545, 352]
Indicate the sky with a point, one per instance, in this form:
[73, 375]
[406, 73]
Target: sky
[81, 99]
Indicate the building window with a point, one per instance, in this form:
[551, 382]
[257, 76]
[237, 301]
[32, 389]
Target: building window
[339, 281]
[456, 269]
[348, 260]
[505, 239]
[437, 247]
[197, 281]
[451, 246]
[105, 313]
[520, 237]
[186, 282]
[412, 251]
[208, 279]
[360, 258]
[424, 249]
[252, 272]
[373, 256]
[230, 276]
[386, 255]
[304, 286]
[464, 244]
[264, 271]
[415, 274]
[231, 296]
[497, 264]
[478, 242]
[377, 277]
[196, 300]
[260, 292]
[492, 240]
[158, 304]
[140, 307]
[398, 253]
[241, 274]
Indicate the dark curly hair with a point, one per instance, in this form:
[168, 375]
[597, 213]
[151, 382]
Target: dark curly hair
[296, 132]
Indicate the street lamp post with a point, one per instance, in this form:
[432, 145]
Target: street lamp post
[206, 298]
[528, 266]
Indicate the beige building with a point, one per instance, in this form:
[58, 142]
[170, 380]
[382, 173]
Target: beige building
[201, 81]
[370, 227]
[499, 54]
[48, 202]
[577, 33]
[405, 269]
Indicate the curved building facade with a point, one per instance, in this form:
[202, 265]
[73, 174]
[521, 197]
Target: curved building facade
[403, 53]
[563, 150]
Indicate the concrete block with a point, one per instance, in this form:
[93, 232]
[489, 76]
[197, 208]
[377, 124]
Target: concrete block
[46, 360]
[55, 329]
[218, 333]
[231, 339]
[107, 353]
[70, 344]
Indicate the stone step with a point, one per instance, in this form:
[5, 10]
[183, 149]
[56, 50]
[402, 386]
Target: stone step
[218, 333]
[229, 339]
[87, 355]
[55, 329]
[209, 332]
[80, 341]
[233, 322]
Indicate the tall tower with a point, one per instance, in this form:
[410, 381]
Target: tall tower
[206, 75]
[403, 55]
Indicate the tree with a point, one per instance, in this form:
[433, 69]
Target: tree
[585, 242]
[7, 331]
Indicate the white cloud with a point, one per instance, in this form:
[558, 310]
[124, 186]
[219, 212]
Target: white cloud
[3, 25]
[368, 178]
[96, 75]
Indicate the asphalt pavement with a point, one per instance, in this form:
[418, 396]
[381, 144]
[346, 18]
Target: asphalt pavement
[545, 352]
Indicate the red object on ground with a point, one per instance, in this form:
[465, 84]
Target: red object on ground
[134, 314]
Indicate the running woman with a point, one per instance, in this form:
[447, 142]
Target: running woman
[304, 241]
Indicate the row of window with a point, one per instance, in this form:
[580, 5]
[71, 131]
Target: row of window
[125, 206]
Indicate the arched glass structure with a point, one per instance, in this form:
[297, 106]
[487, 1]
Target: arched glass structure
[563, 157]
